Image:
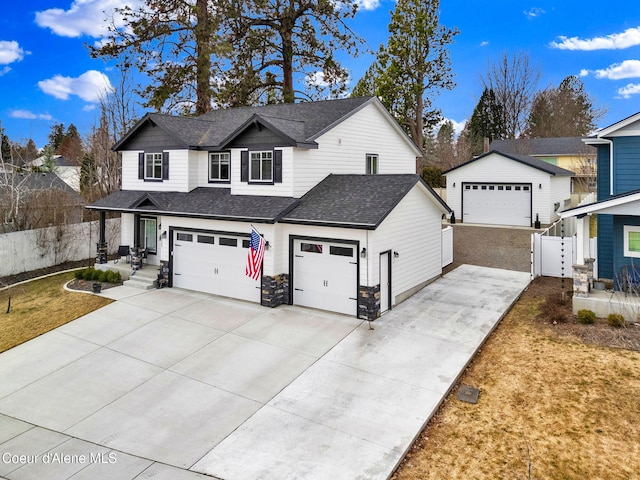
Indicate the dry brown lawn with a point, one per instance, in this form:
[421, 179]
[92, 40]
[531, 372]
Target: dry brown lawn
[40, 306]
[554, 404]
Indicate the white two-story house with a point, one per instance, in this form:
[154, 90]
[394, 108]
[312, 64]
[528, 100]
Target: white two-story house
[330, 185]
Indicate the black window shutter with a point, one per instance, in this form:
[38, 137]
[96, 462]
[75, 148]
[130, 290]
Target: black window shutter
[277, 166]
[165, 165]
[244, 166]
[141, 165]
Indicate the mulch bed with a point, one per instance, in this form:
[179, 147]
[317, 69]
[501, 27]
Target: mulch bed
[21, 277]
[556, 314]
[87, 285]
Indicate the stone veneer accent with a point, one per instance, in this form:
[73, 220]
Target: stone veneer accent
[275, 290]
[101, 252]
[583, 278]
[369, 302]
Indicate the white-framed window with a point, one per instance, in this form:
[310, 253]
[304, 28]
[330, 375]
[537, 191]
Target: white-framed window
[219, 167]
[372, 163]
[153, 166]
[631, 241]
[261, 166]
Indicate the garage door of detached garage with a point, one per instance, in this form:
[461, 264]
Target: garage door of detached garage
[325, 275]
[497, 204]
[213, 263]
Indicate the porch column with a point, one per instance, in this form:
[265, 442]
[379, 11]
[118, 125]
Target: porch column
[101, 246]
[582, 237]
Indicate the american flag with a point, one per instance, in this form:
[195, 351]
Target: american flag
[255, 255]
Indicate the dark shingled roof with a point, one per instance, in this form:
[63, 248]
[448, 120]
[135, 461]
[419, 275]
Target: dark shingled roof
[525, 159]
[356, 201]
[301, 122]
[40, 181]
[215, 203]
[543, 146]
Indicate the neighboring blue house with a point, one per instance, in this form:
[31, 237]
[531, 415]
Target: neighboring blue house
[618, 200]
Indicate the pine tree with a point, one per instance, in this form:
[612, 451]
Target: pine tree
[487, 121]
[413, 67]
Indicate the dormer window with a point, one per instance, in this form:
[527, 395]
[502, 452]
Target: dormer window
[153, 166]
[261, 166]
[372, 164]
[219, 170]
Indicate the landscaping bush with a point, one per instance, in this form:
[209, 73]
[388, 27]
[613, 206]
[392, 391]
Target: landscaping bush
[554, 308]
[95, 275]
[586, 317]
[79, 274]
[615, 320]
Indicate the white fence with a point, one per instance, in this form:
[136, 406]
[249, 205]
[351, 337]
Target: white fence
[33, 249]
[447, 246]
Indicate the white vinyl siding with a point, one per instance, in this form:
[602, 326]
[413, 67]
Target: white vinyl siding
[283, 189]
[343, 149]
[414, 230]
[178, 173]
[498, 169]
[560, 188]
[126, 229]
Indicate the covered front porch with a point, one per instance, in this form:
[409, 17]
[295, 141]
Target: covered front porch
[618, 254]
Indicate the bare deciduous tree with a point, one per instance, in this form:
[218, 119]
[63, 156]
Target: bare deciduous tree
[514, 80]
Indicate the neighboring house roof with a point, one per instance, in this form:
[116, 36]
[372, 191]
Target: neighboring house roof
[608, 203]
[215, 203]
[39, 181]
[543, 147]
[59, 161]
[356, 201]
[524, 159]
[299, 123]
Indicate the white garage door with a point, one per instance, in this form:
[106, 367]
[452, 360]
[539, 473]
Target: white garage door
[213, 263]
[325, 275]
[497, 204]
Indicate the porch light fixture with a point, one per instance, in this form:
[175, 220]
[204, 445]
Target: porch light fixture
[540, 185]
[395, 254]
[454, 184]
[267, 245]
[164, 234]
[363, 253]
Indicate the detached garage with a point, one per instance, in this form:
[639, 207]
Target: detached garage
[507, 189]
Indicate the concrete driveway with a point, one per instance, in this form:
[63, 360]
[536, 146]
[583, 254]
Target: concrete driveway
[171, 384]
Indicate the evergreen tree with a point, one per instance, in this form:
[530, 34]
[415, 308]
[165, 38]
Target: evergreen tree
[566, 111]
[413, 67]
[71, 146]
[5, 147]
[487, 121]
[275, 40]
[56, 136]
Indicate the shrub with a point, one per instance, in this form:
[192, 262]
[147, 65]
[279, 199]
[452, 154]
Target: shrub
[95, 275]
[615, 320]
[112, 277]
[78, 274]
[554, 309]
[586, 316]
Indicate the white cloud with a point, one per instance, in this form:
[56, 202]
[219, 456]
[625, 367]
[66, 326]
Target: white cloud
[368, 4]
[618, 71]
[484, 44]
[584, 72]
[615, 41]
[10, 52]
[84, 17]
[316, 79]
[29, 115]
[534, 12]
[630, 89]
[4, 71]
[89, 86]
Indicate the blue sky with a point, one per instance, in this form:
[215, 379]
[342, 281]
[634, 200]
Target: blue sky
[46, 75]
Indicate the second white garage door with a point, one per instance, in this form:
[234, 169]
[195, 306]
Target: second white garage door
[213, 263]
[497, 204]
[325, 275]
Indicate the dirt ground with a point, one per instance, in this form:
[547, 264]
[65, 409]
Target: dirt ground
[558, 400]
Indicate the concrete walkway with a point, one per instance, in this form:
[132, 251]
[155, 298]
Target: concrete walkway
[170, 384]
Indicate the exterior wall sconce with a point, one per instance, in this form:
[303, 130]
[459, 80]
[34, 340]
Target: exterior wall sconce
[267, 245]
[540, 185]
[395, 254]
[363, 253]
[454, 184]
[164, 234]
